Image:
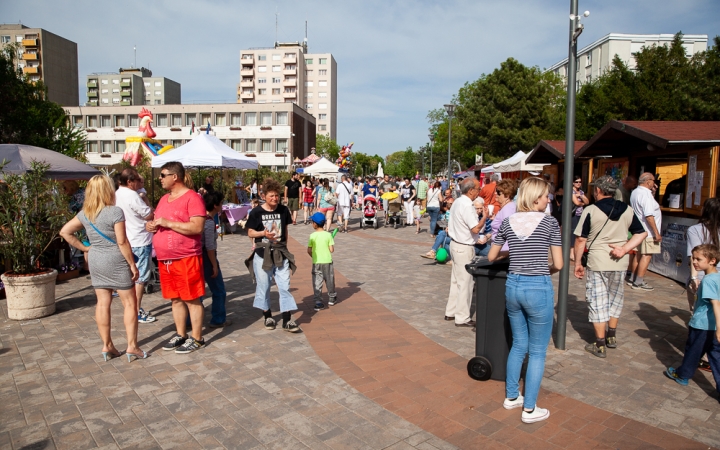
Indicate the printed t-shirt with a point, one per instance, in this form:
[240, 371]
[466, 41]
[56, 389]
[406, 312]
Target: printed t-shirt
[293, 187]
[703, 317]
[320, 242]
[170, 244]
[370, 190]
[407, 192]
[275, 221]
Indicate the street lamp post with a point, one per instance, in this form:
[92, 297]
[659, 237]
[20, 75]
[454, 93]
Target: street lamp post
[450, 109]
[432, 146]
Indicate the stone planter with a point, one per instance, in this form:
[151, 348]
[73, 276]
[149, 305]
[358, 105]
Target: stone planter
[30, 296]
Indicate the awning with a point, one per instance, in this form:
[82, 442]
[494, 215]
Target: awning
[19, 158]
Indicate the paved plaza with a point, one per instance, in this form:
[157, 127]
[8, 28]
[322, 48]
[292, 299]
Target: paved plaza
[380, 369]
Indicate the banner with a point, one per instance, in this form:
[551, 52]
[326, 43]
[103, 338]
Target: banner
[673, 261]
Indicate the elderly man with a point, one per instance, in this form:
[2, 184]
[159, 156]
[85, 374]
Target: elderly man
[463, 229]
[343, 192]
[647, 210]
[604, 228]
[137, 213]
[179, 221]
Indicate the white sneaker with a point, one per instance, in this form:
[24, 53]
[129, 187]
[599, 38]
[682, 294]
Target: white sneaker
[512, 404]
[538, 414]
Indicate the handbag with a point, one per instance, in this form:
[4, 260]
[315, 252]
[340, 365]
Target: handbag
[584, 257]
[135, 258]
[330, 198]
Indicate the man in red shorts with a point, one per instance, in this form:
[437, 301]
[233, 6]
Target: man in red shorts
[179, 221]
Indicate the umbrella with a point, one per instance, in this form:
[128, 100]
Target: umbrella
[19, 157]
[390, 196]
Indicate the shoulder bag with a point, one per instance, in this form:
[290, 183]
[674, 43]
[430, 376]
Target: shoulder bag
[135, 258]
[330, 198]
[584, 258]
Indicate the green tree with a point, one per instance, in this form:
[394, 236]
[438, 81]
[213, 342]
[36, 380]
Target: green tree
[402, 164]
[327, 147]
[28, 117]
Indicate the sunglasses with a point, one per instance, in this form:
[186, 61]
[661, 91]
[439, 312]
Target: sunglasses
[163, 175]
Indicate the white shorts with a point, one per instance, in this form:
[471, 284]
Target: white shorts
[343, 211]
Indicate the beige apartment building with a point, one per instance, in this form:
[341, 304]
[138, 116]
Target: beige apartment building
[287, 73]
[48, 57]
[596, 58]
[131, 87]
[274, 133]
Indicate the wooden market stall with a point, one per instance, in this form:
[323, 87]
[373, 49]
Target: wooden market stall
[552, 153]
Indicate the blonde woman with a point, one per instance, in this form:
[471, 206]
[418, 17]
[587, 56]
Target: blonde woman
[529, 293]
[112, 266]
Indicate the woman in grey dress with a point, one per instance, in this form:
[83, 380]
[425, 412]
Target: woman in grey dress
[112, 266]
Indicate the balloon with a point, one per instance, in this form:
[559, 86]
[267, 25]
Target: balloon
[441, 256]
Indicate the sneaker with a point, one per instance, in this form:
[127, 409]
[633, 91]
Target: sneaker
[174, 342]
[512, 404]
[643, 286]
[704, 366]
[672, 374]
[190, 345]
[319, 306]
[332, 301]
[595, 350]
[144, 317]
[227, 323]
[270, 323]
[292, 327]
[611, 342]
[536, 415]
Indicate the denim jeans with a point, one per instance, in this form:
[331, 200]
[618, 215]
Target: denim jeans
[143, 263]
[434, 212]
[700, 342]
[217, 287]
[529, 303]
[442, 240]
[282, 280]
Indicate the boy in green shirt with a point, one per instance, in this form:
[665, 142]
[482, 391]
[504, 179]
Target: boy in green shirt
[321, 246]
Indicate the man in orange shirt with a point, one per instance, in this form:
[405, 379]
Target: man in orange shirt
[488, 194]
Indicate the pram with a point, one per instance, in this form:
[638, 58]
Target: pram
[369, 218]
[395, 214]
[154, 283]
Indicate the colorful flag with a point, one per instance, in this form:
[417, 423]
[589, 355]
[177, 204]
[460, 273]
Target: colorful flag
[192, 130]
[208, 128]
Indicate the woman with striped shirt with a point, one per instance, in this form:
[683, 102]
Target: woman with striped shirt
[529, 293]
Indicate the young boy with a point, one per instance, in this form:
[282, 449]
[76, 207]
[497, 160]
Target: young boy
[211, 266]
[321, 246]
[703, 336]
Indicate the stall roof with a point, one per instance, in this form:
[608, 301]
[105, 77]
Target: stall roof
[549, 152]
[618, 137]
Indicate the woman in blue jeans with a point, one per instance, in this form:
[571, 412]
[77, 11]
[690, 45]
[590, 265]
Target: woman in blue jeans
[529, 292]
[434, 198]
[442, 239]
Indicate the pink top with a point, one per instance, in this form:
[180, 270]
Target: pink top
[170, 244]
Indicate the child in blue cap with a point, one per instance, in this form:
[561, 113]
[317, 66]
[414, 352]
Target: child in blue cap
[320, 247]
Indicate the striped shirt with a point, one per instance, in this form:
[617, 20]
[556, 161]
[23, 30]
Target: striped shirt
[529, 256]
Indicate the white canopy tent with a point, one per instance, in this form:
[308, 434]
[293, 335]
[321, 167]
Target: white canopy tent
[515, 163]
[206, 150]
[322, 168]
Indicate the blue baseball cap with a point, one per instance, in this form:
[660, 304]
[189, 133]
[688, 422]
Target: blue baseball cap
[318, 218]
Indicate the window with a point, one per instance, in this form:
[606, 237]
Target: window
[250, 119]
[308, 73]
[308, 95]
[308, 105]
[107, 146]
[281, 145]
[235, 119]
[247, 91]
[322, 72]
[92, 147]
[289, 90]
[133, 121]
[290, 67]
[158, 93]
[588, 79]
[119, 121]
[262, 80]
[281, 118]
[265, 119]
[126, 80]
[308, 61]
[92, 122]
[236, 145]
[204, 119]
[276, 100]
[262, 69]
[116, 101]
[250, 145]
[116, 90]
[323, 60]
[266, 145]
[322, 94]
[103, 91]
[309, 84]
[220, 120]
[4, 39]
[276, 68]
[18, 38]
[276, 80]
[322, 116]
[158, 102]
[246, 56]
[588, 60]
[176, 120]
[119, 146]
[276, 91]
[158, 83]
[103, 81]
[322, 105]
[147, 84]
[161, 120]
[147, 94]
[322, 127]
[262, 57]
[189, 119]
[77, 121]
[177, 143]
[276, 57]
[262, 91]
[106, 101]
[322, 83]
[116, 81]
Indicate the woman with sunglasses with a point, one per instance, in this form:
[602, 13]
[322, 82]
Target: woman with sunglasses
[580, 201]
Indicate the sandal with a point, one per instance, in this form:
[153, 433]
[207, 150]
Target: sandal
[429, 255]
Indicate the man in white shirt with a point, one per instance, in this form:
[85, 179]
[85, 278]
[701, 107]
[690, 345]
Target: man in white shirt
[463, 229]
[343, 192]
[137, 213]
[648, 212]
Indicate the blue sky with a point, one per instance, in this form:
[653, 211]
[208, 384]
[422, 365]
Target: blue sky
[396, 60]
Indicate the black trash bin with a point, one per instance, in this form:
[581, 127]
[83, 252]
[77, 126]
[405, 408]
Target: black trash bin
[493, 336]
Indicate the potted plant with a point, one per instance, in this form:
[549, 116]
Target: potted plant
[68, 271]
[33, 209]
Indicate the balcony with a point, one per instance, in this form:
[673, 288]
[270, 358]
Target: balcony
[92, 84]
[30, 56]
[249, 82]
[92, 94]
[125, 84]
[289, 59]
[247, 59]
[31, 70]
[289, 95]
[290, 71]
[125, 103]
[247, 95]
[29, 42]
[92, 102]
[125, 94]
[292, 82]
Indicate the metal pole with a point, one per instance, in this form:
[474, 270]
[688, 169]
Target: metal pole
[432, 147]
[567, 185]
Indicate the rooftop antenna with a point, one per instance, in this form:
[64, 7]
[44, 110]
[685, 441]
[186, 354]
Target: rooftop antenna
[135, 52]
[276, 26]
[305, 42]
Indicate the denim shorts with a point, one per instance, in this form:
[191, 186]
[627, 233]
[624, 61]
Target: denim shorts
[143, 263]
[308, 204]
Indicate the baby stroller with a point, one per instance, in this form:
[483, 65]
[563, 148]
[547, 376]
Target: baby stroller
[395, 214]
[369, 218]
[154, 283]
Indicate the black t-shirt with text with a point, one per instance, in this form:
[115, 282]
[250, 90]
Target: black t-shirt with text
[407, 191]
[293, 187]
[276, 221]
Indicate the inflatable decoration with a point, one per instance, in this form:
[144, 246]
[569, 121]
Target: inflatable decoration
[344, 161]
[442, 256]
[136, 146]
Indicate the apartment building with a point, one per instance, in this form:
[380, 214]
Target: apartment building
[48, 57]
[274, 133]
[135, 86]
[593, 60]
[287, 73]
